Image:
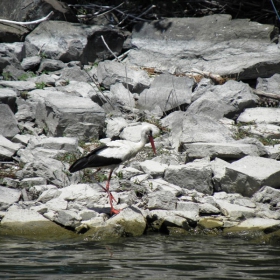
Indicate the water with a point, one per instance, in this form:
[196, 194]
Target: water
[147, 257]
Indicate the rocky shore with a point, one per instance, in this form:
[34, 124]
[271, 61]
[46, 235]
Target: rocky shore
[195, 81]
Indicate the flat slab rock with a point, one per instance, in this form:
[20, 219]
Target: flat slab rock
[29, 223]
[68, 41]
[203, 43]
[256, 224]
[260, 115]
[220, 150]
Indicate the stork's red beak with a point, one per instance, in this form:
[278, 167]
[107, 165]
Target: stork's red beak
[152, 143]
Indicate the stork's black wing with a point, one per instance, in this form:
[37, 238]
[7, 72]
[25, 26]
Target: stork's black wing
[94, 160]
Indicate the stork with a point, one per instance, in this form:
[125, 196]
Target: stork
[112, 155]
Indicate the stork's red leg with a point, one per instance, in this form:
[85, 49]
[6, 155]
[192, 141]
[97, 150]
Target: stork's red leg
[108, 186]
[113, 210]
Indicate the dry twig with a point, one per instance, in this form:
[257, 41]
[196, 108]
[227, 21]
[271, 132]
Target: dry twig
[28, 22]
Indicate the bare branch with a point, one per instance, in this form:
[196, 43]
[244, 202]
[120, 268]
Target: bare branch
[108, 48]
[28, 22]
[110, 10]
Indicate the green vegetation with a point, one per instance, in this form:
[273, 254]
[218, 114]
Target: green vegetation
[7, 76]
[26, 76]
[244, 131]
[41, 85]
[43, 55]
[24, 94]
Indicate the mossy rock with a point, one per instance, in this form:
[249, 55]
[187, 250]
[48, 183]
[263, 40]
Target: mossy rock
[210, 222]
[39, 230]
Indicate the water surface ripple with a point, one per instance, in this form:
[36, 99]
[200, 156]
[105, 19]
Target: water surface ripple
[147, 257]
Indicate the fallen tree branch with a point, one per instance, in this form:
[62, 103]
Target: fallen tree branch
[214, 77]
[28, 22]
[267, 94]
[108, 48]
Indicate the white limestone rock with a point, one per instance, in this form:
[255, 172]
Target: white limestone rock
[8, 196]
[164, 200]
[153, 168]
[111, 72]
[260, 116]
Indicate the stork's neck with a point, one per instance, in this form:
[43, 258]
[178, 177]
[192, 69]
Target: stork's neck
[140, 145]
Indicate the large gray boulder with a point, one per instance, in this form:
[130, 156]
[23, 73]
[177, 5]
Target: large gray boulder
[166, 92]
[191, 129]
[8, 124]
[72, 42]
[247, 175]
[195, 43]
[196, 175]
[65, 115]
[225, 100]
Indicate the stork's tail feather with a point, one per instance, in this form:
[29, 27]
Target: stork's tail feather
[78, 165]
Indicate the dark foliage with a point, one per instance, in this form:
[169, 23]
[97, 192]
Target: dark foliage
[257, 10]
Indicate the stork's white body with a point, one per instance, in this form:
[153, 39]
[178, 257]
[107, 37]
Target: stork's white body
[121, 149]
[113, 154]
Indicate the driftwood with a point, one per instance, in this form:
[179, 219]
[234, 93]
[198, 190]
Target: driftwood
[267, 94]
[27, 22]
